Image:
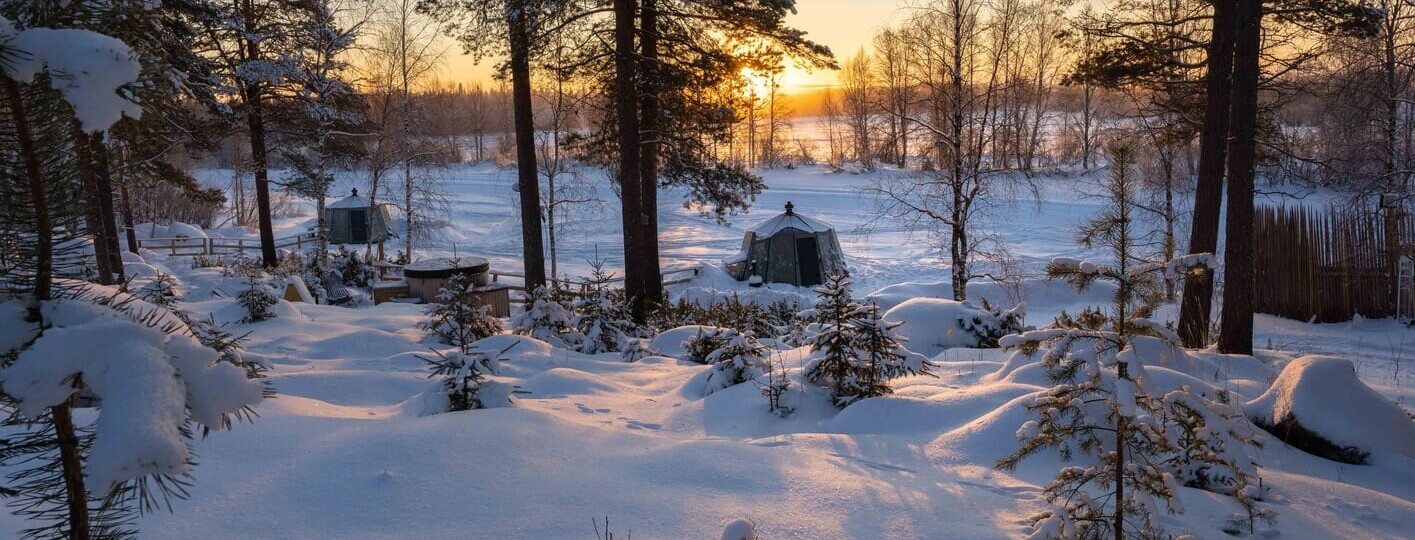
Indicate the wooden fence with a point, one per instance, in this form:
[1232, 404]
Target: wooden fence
[220, 246]
[1326, 265]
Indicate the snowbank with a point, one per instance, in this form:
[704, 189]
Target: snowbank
[1322, 395]
[670, 342]
[888, 297]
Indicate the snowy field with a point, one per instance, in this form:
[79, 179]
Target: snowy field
[341, 453]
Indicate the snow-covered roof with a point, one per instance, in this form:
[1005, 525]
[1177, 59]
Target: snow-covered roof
[789, 220]
[352, 201]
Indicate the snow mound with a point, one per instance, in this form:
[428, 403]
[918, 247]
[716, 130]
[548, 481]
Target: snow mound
[932, 325]
[515, 347]
[892, 295]
[1322, 395]
[139, 270]
[670, 342]
[184, 230]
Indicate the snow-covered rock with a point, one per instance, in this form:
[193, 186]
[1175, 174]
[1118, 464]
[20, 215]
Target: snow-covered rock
[1322, 395]
[740, 529]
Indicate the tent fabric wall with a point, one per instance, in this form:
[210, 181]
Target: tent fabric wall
[340, 219]
[775, 248]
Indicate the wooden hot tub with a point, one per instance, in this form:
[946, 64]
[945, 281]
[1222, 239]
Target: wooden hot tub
[428, 276]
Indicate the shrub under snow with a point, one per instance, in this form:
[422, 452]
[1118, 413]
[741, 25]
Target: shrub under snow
[932, 325]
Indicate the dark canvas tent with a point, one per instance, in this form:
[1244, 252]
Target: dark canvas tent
[353, 221]
[789, 248]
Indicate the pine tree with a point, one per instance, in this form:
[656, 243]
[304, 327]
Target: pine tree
[1102, 395]
[255, 47]
[457, 319]
[881, 356]
[832, 343]
[330, 114]
[71, 479]
[1101, 415]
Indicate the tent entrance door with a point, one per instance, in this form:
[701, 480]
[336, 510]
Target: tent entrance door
[358, 226]
[808, 261]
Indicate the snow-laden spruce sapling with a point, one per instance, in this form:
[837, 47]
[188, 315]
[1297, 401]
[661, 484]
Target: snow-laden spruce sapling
[464, 385]
[704, 342]
[160, 292]
[458, 320]
[257, 299]
[1103, 413]
[739, 361]
[602, 317]
[546, 318]
[855, 351]
[996, 323]
[1211, 438]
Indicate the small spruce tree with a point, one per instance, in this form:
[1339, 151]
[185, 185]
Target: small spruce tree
[857, 351]
[546, 318]
[603, 316]
[257, 299]
[464, 383]
[736, 362]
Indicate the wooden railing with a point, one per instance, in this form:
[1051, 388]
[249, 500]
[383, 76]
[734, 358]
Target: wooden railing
[220, 246]
[387, 270]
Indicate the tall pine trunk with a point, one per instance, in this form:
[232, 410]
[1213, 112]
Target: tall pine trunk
[650, 113]
[102, 168]
[1236, 327]
[1197, 304]
[93, 215]
[255, 123]
[129, 228]
[75, 494]
[532, 250]
[630, 192]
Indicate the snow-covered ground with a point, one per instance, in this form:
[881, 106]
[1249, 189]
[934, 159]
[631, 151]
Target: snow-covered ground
[341, 454]
[483, 221]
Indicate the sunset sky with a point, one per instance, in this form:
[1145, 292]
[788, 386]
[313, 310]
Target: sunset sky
[843, 25]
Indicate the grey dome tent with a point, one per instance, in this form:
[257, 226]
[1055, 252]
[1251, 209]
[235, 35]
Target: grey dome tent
[789, 248]
[352, 221]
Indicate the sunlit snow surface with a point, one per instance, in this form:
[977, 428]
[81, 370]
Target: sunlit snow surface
[341, 455]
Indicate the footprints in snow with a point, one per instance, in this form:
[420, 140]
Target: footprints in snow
[629, 423]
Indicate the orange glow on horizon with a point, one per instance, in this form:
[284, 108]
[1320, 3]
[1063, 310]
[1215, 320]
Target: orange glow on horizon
[842, 25]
